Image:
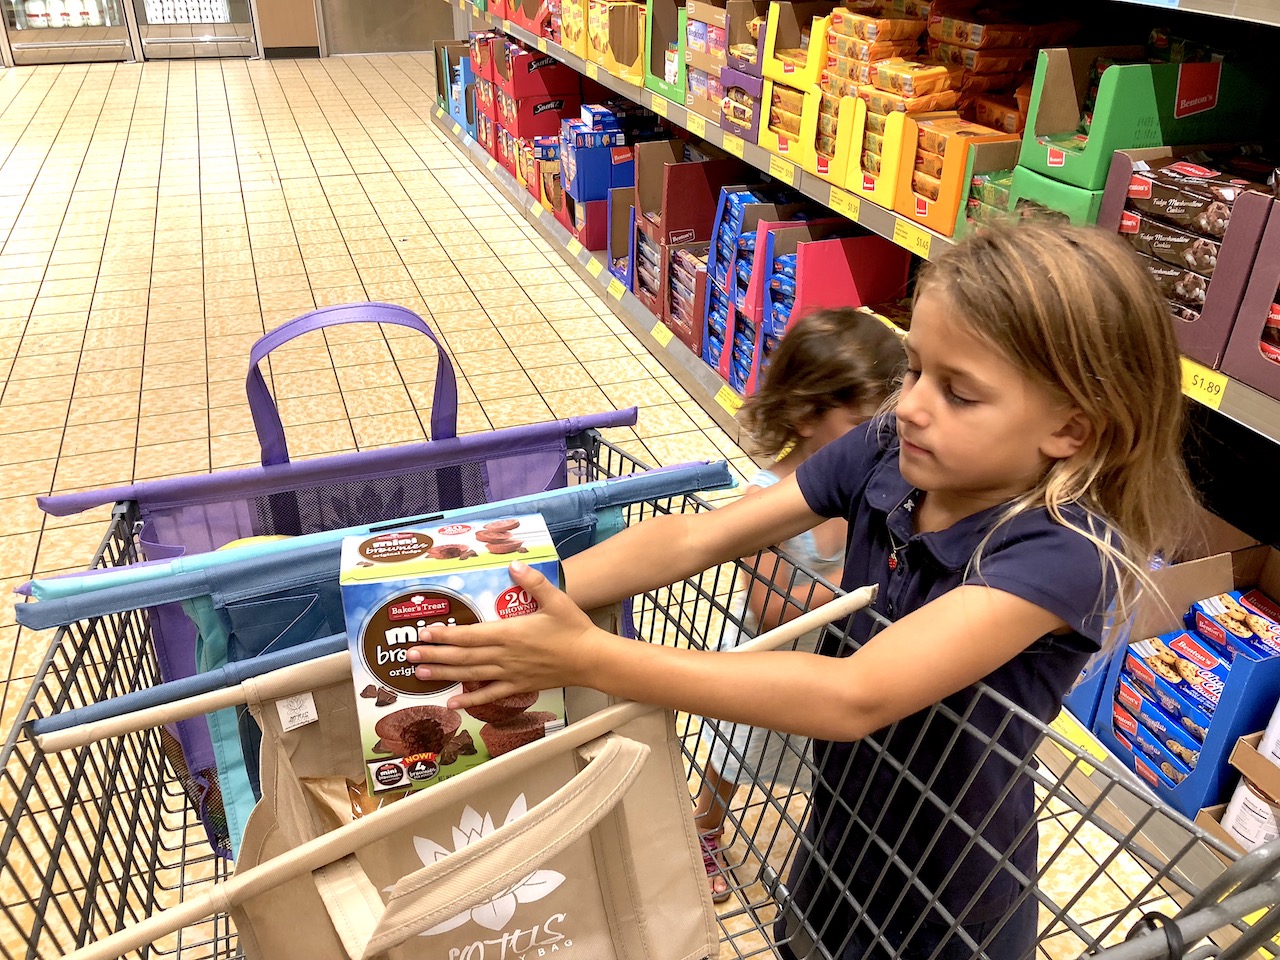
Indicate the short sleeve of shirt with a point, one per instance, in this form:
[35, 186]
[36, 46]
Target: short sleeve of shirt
[1054, 567]
[833, 479]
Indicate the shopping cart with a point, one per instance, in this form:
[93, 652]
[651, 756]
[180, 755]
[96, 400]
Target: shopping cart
[94, 839]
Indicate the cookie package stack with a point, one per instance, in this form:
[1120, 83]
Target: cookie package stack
[1177, 213]
[1169, 685]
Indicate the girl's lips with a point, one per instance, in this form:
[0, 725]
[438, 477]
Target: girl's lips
[912, 448]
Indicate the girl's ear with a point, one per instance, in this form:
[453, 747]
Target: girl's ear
[1067, 440]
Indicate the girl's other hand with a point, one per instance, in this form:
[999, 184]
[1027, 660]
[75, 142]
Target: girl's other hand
[549, 648]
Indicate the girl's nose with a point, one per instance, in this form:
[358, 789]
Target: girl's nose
[912, 406]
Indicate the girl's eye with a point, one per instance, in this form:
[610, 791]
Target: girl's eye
[911, 373]
[957, 400]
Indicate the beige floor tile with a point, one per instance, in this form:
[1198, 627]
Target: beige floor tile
[172, 459]
[101, 469]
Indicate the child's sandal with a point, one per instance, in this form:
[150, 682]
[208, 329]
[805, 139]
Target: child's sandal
[711, 860]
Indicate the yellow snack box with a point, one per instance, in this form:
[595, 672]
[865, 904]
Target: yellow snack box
[916, 78]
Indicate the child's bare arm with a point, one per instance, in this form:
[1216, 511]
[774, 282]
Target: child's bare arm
[945, 646]
[772, 599]
[675, 546]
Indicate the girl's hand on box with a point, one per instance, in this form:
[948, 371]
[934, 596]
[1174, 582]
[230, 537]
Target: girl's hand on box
[538, 651]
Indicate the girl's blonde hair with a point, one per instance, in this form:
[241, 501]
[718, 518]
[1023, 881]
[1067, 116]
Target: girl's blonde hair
[827, 359]
[1075, 310]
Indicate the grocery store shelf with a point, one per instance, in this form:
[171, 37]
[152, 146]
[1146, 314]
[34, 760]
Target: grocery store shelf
[703, 384]
[1256, 11]
[1231, 398]
[906, 233]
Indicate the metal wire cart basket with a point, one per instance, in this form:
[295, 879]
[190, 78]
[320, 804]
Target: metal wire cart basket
[94, 839]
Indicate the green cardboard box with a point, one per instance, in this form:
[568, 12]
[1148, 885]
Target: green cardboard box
[1079, 204]
[1138, 105]
[666, 23]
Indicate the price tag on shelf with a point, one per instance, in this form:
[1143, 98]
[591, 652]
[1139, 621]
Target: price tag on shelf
[593, 71]
[916, 239]
[1071, 730]
[537, 209]
[457, 130]
[782, 170]
[728, 400]
[697, 124]
[1202, 384]
[662, 333]
[616, 288]
[658, 105]
[595, 267]
[491, 163]
[842, 201]
[733, 145]
[542, 44]
[575, 247]
[439, 112]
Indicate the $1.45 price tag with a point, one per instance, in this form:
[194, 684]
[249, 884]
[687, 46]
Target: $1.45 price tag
[1202, 384]
[916, 239]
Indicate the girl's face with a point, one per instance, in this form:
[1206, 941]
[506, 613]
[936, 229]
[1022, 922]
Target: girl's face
[832, 425]
[974, 429]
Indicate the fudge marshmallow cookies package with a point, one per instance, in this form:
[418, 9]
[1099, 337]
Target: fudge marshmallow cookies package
[395, 583]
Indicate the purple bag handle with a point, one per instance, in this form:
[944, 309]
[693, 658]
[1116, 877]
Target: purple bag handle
[262, 406]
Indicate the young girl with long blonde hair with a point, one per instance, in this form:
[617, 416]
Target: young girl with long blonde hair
[1030, 469]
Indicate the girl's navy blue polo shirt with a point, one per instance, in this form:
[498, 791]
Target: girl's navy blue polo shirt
[877, 835]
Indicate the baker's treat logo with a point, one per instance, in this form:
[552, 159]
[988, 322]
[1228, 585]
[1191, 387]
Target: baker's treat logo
[392, 629]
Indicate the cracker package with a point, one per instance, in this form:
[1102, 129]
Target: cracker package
[869, 51]
[984, 61]
[925, 185]
[875, 29]
[937, 131]
[929, 163]
[992, 188]
[884, 103]
[1187, 664]
[395, 583]
[1142, 740]
[1161, 725]
[1171, 244]
[1187, 194]
[961, 32]
[1237, 623]
[1000, 113]
[916, 78]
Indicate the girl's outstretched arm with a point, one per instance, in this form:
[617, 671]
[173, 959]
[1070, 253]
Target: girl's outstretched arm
[672, 547]
[939, 649]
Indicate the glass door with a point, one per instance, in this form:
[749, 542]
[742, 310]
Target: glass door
[195, 28]
[67, 31]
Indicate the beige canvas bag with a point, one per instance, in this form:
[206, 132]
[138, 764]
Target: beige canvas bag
[580, 846]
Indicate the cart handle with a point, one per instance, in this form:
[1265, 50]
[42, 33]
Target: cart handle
[262, 406]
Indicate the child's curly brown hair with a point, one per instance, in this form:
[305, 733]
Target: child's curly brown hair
[827, 359]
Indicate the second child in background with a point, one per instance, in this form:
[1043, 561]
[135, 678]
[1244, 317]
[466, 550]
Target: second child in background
[832, 371]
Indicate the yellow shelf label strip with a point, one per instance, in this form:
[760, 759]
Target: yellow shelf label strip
[729, 401]
[575, 247]
[916, 239]
[842, 201]
[593, 71]
[734, 145]
[1070, 729]
[1202, 384]
[662, 333]
[542, 44]
[658, 105]
[595, 267]
[697, 124]
[783, 170]
[616, 288]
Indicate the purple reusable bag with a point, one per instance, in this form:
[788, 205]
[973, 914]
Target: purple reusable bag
[195, 514]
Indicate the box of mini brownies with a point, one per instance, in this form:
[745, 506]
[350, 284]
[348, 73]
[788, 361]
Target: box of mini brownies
[398, 582]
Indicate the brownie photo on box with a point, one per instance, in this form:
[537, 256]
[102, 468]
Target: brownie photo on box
[1178, 285]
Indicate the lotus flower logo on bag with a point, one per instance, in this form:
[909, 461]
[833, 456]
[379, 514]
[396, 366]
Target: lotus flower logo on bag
[496, 912]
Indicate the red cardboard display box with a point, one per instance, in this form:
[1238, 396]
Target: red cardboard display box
[688, 329]
[484, 50]
[680, 196]
[528, 73]
[1205, 339]
[530, 117]
[1253, 350]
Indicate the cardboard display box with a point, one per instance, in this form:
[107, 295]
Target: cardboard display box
[485, 48]
[799, 150]
[680, 195]
[1079, 205]
[782, 31]
[688, 329]
[573, 27]
[449, 54]
[588, 220]
[615, 38]
[1138, 105]
[753, 87]
[665, 23]
[462, 97]
[1248, 694]
[530, 117]
[528, 73]
[707, 105]
[1260, 307]
[622, 224]
[589, 174]
[487, 99]
[897, 161]
[957, 169]
[1205, 340]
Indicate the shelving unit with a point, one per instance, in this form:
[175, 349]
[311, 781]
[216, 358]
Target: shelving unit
[703, 383]
[1232, 399]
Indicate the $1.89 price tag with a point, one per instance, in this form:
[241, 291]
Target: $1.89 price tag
[1202, 384]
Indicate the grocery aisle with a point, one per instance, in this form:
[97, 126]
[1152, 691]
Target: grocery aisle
[157, 218]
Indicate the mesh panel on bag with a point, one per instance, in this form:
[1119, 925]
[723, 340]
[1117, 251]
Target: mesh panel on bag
[332, 506]
[202, 792]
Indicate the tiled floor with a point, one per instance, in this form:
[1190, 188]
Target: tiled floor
[157, 219]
